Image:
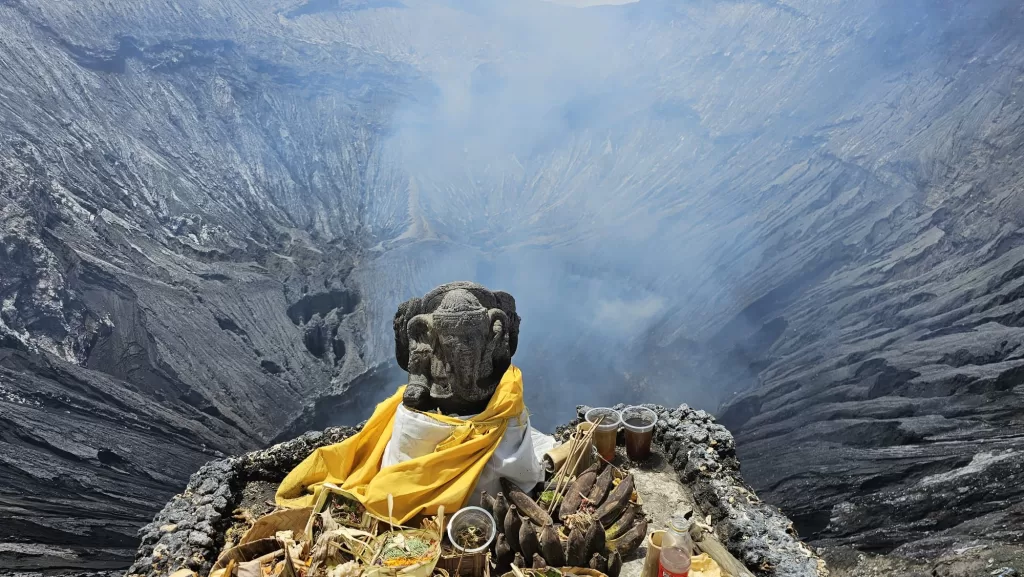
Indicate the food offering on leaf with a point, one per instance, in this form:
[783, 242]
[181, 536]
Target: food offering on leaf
[277, 556]
[345, 511]
[574, 525]
[342, 506]
[336, 507]
[549, 497]
[402, 549]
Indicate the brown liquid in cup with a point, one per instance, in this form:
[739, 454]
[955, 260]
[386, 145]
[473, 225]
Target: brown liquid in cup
[638, 445]
[605, 443]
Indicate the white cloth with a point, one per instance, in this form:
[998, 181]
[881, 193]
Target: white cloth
[517, 457]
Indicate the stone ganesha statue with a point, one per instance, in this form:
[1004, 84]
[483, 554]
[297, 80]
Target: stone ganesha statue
[456, 343]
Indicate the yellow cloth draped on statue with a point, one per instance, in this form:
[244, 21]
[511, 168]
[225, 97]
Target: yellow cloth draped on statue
[447, 476]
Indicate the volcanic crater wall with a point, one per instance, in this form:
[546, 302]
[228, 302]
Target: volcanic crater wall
[209, 211]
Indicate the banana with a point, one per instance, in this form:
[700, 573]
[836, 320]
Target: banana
[601, 486]
[527, 505]
[574, 496]
[623, 524]
[599, 562]
[594, 538]
[614, 564]
[631, 539]
[616, 502]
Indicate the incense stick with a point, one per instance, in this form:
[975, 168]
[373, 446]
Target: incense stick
[561, 479]
[578, 451]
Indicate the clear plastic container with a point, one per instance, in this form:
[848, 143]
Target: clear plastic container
[639, 425]
[604, 436]
[472, 517]
[676, 549]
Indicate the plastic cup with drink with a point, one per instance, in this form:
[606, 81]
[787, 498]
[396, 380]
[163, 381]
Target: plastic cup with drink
[639, 425]
[604, 436]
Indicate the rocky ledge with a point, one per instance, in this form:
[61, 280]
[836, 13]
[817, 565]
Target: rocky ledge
[703, 453]
[189, 531]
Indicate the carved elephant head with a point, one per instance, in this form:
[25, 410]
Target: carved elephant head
[456, 343]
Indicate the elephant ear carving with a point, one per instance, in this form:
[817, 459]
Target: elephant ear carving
[507, 304]
[406, 311]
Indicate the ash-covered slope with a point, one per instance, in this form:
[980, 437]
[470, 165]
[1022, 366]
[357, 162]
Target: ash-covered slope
[172, 288]
[887, 413]
[210, 209]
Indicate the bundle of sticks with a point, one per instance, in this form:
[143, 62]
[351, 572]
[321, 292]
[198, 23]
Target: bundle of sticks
[578, 449]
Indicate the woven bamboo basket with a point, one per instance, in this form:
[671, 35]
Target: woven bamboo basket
[471, 565]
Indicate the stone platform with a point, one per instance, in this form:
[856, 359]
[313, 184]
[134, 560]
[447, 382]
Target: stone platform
[695, 467]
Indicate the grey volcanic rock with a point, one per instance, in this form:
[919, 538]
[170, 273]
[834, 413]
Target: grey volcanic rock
[189, 531]
[155, 296]
[209, 211]
[886, 414]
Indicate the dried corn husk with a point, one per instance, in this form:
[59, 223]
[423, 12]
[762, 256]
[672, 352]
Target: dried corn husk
[339, 544]
[294, 520]
[248, 552]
